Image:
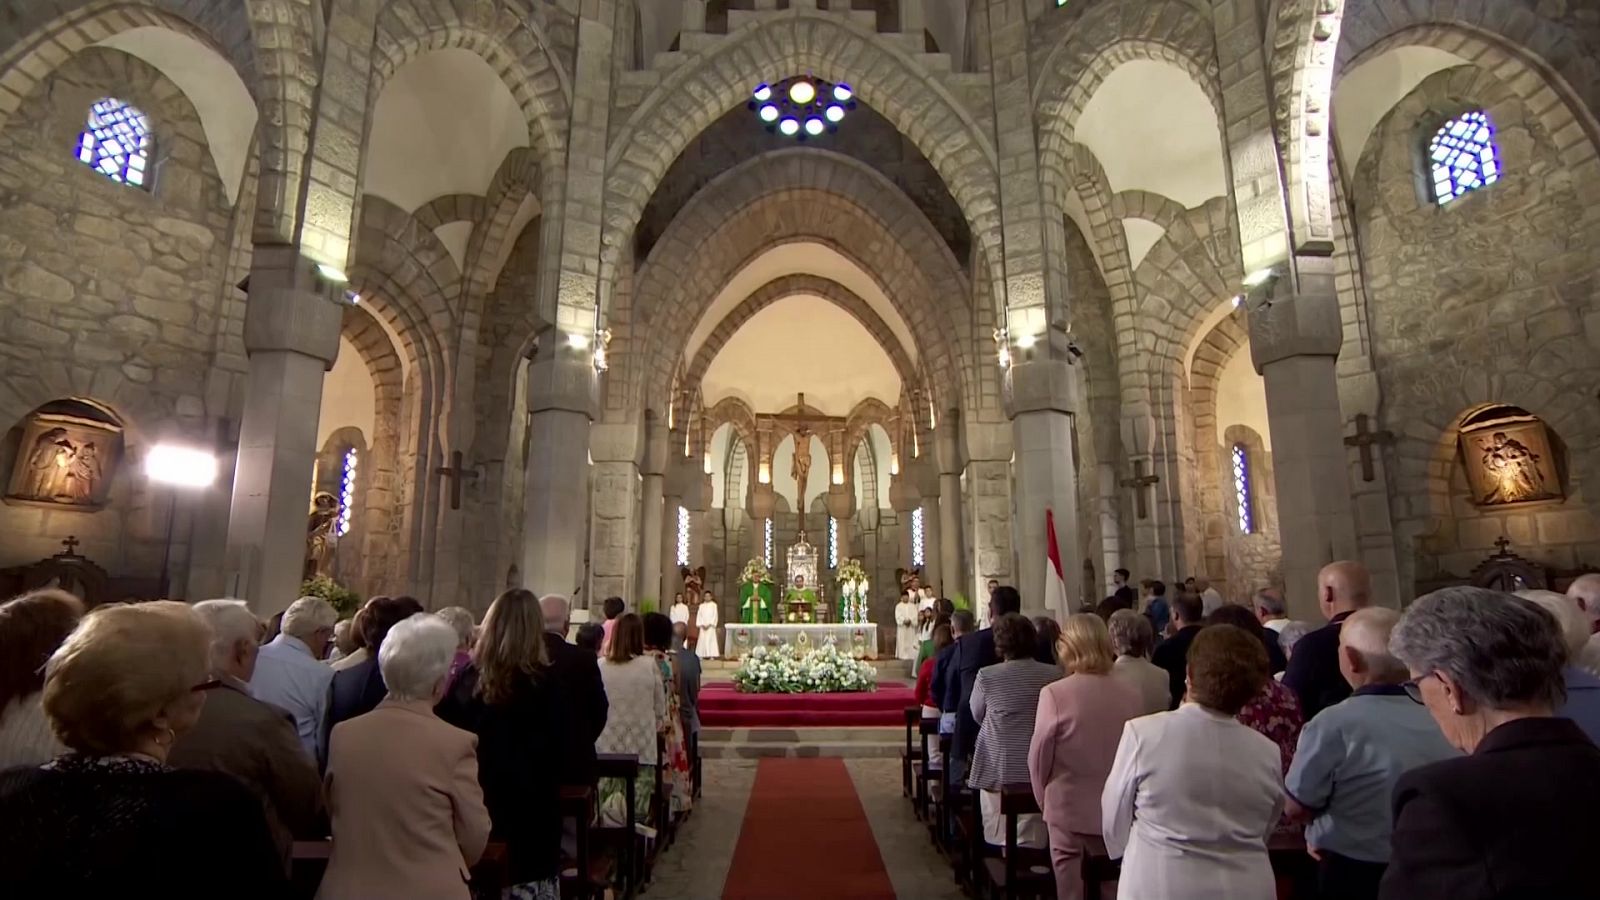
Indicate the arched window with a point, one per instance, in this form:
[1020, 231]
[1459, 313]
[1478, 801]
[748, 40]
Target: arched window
[347, 491]
[918, 554]
[116, 142]
[1463, 156]
[683, 536]
[1242, 488]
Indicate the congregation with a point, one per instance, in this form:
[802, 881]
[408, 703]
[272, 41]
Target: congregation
[181, 750]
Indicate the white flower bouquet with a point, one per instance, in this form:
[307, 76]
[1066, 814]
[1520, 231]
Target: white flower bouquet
[785, 670]
[755, 572]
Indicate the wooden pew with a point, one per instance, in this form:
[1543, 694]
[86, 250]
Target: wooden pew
[622, 839]
[908, 755]
[1020, 871]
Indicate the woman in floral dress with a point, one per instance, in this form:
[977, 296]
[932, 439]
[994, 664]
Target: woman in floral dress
[677, 781]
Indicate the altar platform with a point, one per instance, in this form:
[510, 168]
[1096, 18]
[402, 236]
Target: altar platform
[858, 641]
[721, 706]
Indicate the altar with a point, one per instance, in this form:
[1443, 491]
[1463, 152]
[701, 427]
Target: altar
[859, 641]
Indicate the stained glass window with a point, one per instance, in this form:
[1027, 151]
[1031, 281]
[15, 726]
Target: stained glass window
[768, 543]
[347, 491]
[833, 543]
[1241, 488]
[917, 552]
[1463, 156]
[683, 536]
[116, 142]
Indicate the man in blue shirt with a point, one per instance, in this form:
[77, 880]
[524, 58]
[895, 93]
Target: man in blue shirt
[290, 672]
[1582, 705]
[1350, 756]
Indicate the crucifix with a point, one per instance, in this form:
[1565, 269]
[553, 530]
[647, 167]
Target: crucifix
[805, 424]
[1139, 482]
[1365, 438]
[455, 472]
[71, 543]
[1504, 545]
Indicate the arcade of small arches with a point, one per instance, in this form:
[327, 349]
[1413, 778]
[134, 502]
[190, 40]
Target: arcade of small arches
[584, 314]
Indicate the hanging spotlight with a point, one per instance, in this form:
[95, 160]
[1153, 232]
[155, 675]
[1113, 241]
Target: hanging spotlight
[801, 107]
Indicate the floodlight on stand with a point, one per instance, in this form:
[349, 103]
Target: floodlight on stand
[802, 92]
[834, 113]
[180, 466]
[768, 113]
[841, 92]
[789, 126]
[815, 127]
[763, 92]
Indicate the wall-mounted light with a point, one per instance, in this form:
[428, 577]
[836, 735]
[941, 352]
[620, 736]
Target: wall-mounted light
[180, 466]
[332, 274]
[1238, 300]
[578, 341]
[1258, 277]
[1026, 341]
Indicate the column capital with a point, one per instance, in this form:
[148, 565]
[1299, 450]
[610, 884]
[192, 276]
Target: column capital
[841, 501]
[903, 493]
[986, 441]
[762, 501]
[290, 308]
[1295, 314]
[563, 380]
[615, 442]
[1041, 385]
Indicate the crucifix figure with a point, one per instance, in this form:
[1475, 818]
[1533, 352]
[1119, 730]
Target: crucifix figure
[1365, 438]
[1139, 482]
[71, 543]
[455, 472]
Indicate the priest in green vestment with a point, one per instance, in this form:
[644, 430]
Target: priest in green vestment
[755, 603]
[801, 599]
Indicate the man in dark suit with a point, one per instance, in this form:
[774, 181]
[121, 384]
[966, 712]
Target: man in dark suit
[1172, 654]
[1313, 671]
[577, 671]
[974, 652]
[359, 689]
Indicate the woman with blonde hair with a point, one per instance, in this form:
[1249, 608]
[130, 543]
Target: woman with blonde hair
[32, 626]
[1074, 741]
[507, 696]
[110, 818]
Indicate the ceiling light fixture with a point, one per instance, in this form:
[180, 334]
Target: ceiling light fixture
[802, 92]
[801, 107]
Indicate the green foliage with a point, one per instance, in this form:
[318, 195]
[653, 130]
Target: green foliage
[341, 598]
[960, 601]
[648, 605]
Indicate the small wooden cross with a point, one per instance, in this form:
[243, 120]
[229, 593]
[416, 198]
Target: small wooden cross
[1365, 438]
[455, 472]
[1139, 482]
[1504, 545]
[71, 543]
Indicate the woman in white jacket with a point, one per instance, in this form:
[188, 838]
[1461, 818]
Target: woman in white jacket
[1193, 794]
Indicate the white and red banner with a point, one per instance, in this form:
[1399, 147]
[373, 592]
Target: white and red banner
[1055, 583]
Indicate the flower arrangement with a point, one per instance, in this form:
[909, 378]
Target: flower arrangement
[342, 599]
[756, 572]
[853, 586]
[787, 670]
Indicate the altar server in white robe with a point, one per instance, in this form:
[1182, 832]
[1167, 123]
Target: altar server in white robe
[680, 611]
[905, 628]
[706, 618]
[1193, 794]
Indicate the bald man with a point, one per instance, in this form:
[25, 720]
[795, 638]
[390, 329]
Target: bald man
[1313, 674]
[1586, 593]
[577, 675]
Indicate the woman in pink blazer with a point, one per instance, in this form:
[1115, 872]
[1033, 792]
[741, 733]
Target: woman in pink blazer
[1074, 743]
[408, 814]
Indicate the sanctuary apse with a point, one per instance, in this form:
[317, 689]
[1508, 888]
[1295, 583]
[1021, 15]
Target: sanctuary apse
[529, 291]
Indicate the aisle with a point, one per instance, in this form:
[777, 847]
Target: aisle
[806, 835]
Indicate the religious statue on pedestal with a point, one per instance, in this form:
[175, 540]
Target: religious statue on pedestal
[321, 535]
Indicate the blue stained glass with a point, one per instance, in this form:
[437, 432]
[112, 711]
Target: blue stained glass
[1464, 156]
[1241, 488]
[116, 141]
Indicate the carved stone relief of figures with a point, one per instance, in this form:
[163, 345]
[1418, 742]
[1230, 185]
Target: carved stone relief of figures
[1509, 459]
[66, 456]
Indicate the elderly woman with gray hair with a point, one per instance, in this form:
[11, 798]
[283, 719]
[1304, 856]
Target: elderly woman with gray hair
[1514, 817]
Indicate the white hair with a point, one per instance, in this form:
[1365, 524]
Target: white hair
[415, 655]
[556, 611]
[230, 621]
[1572, 621]
[1367, 632]
[306, 616]
[461, 619]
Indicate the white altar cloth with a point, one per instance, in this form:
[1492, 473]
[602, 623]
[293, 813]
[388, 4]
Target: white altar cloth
[859, 641]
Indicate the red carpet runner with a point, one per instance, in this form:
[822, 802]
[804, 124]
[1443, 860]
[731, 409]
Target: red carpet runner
[805, 837]
[723, 707]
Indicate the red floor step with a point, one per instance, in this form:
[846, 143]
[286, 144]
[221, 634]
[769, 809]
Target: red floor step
[723, 707]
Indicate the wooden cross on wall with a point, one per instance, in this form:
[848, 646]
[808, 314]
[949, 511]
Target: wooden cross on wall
[1139, 482]
[1365, 438]
[455, 472]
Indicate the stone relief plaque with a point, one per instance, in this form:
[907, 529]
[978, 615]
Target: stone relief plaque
[1509, 460]
[65, 459]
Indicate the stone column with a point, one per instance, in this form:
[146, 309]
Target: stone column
[1295, 335]
[614, 533]
[948, 456]
[989, 510]
[652, 511]
[291, 333]
[561, 400]
[1043, 396]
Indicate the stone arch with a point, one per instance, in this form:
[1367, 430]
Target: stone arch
[1217, 348]
[505, 34]
[787, 196]
[387, 506]
[695, 94]
[1306, 36]
[810, 285]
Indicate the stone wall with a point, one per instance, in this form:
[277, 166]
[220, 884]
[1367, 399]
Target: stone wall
[117, 294]
[1254, 560]
[1488, 299]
